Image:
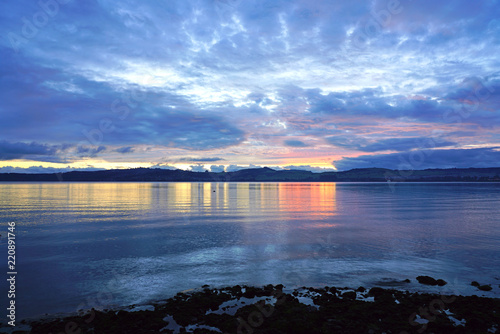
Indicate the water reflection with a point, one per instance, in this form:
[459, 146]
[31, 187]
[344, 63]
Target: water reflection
[293, 200]
[176, 236]
[308, 199]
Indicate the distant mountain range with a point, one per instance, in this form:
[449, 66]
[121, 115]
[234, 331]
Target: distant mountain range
[266, 175]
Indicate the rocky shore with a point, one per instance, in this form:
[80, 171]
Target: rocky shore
[270, 309]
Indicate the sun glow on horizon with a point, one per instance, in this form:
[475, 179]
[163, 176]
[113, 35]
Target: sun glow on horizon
[100, 164]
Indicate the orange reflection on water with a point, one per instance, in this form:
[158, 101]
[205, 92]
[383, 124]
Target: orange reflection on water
[295, 200]
[86, 199]
[105, 196]
[308, 199]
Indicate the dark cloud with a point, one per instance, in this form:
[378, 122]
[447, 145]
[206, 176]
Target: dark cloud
[404, 144]
[473, 101]
[45, 170]
[125, 149]
[30, 151]
[202, 159]
[295, 143]
[184, 130]
[308, 168]
[422, 159]
[89, 151]
[390, 144]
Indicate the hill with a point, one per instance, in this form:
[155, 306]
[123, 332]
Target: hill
[264, 175]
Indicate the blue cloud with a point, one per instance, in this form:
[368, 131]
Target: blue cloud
[217, 168]
[201, 159]
[125, 149]
[390, 144]
[45, 170]
[308, 168]
[89, 151]
[295, 143]
[30, 151]
[422, 159]
[197, 168]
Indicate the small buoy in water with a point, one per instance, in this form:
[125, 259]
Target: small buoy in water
[214, 190]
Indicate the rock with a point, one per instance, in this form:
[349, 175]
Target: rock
[441, 282]
[484, 287]
[349, 295]
[330, 315]
[361, 289]
[376, 291]
[427, 280]
[407, 281]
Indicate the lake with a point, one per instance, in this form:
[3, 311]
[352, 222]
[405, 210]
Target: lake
[83, 245]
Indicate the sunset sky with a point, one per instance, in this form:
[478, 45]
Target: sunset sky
[227, 84]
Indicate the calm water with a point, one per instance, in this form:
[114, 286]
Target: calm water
[82, 245]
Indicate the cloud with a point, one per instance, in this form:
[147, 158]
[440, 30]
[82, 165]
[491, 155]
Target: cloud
[306, 168]
[201, 159]
[389, 144]
[295, 143]
[197, 168]
[125, 149]
[100, 114]
[235, 168]
[233, 78]
[45, 170]
[217, 169]
[423, 159]
[30, 151]
[89, 151]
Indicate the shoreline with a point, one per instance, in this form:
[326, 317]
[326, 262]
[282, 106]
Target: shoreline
[274, 309]
[265, 174]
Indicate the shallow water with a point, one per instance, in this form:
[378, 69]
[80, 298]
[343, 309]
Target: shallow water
[83, 245]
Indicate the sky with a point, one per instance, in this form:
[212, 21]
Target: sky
[229, 84]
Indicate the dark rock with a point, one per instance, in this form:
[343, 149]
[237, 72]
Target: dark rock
[269, 288]
[289, 315]
[484, 287]
[407, 281]
[349, 295]
[474, 283]
[361, 289]
[427, 280]
[441, 282]
[376, 291]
